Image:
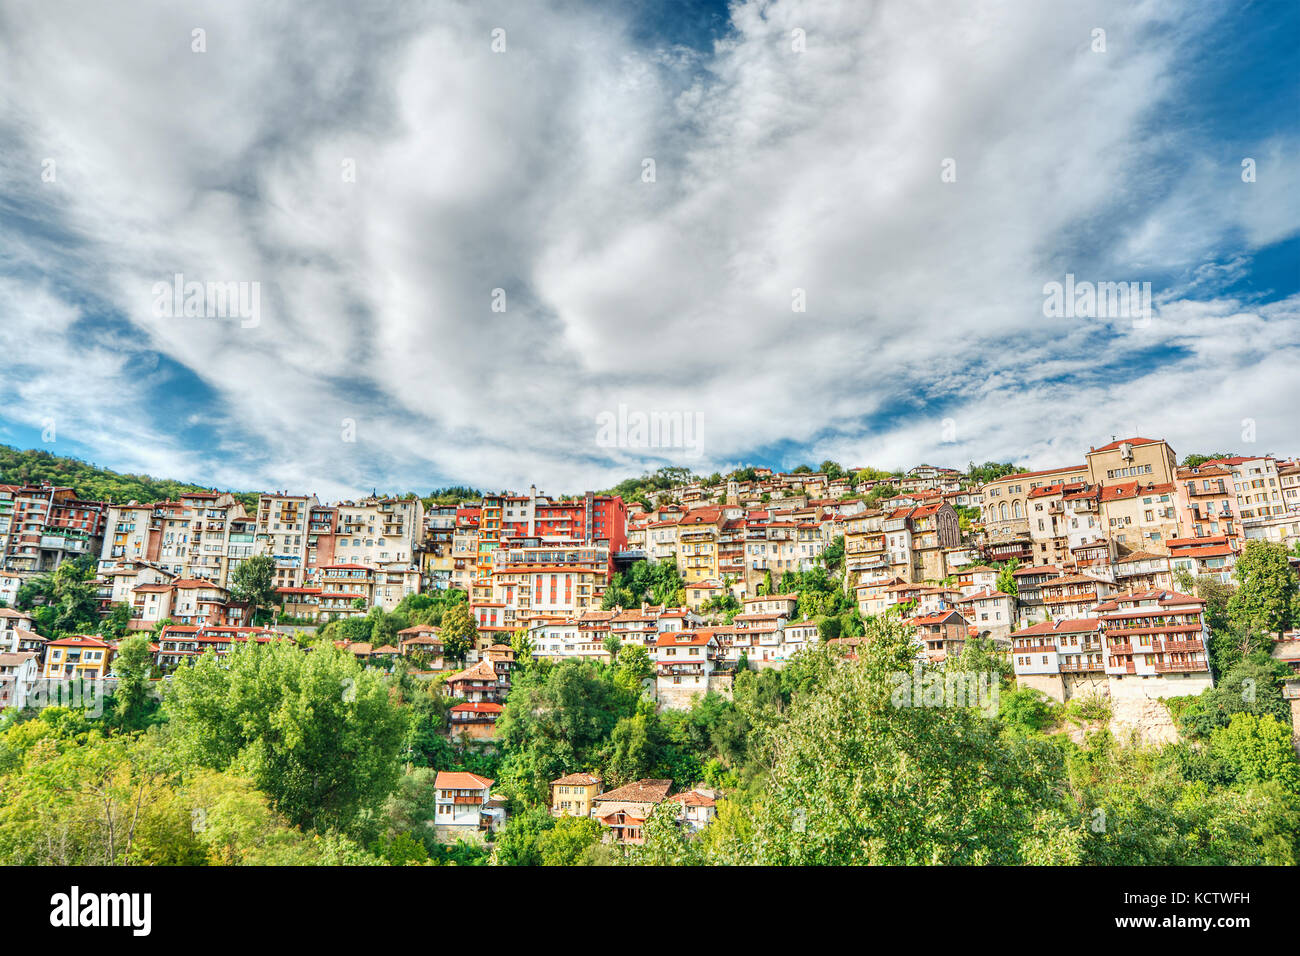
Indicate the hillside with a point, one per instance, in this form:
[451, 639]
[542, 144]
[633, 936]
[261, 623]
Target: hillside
[31, 466]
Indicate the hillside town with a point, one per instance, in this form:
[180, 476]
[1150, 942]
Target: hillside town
[1083, 576]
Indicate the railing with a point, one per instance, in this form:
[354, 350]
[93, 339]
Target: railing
[1180, 667]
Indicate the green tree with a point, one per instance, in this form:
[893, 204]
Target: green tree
[1266, 589]
[1258, 747]
[459, 632]
[568, 840]
[1007, 578]
[1195, 461]
[315, 731]
[133, 667]
[254, 581]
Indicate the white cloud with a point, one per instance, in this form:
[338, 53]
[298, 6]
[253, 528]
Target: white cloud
[522, 171]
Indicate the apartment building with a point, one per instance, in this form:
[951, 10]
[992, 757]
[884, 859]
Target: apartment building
[1006, 507]
[1155, 644]
[49, 525]
[1139, 516]
[537, 578]
[281, 531]
[1206, 500]
[375, 531]
[1147, 460]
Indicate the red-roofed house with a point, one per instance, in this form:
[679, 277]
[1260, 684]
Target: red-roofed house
[461, 807]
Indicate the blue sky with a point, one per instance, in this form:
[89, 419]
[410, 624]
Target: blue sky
[796, 145]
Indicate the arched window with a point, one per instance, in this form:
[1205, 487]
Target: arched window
[1015, 509]
[1003, 509]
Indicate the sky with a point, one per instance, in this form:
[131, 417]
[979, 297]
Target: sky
[485, 240]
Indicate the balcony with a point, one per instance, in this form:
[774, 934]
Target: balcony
[1180, 667]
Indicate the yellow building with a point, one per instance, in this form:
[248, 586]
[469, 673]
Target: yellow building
[572, 794]
[77, 657]
[698, 534]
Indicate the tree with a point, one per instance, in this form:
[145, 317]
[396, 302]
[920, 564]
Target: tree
[1258, 747]
[1253, 686]
[459, 632]
[132, 666]
[1195, 461]
[1007, 578]
[1266, 593]
[315, 731]
[116, 623]
[254, 580]
[635, 749]
[567, 842]
[860, 778]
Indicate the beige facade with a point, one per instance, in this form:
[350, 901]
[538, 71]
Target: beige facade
[1132, 459]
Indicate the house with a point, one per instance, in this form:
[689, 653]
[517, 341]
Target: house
[991, 613]
[624, 811]
[572, 794]
[462, 806]
[18, 674]
[474, 719]
[698, 808]
[481, 683]
[684, 660]
[424, 641]
[77, 657]
[942, 635]
[11, 624]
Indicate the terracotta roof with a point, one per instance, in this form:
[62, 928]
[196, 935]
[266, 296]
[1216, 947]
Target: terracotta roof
[1125, 441]
[576, 780]
[482, 670]
[642, 791]
[461, 780]
[1077, 626]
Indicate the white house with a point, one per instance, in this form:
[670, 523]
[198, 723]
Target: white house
[462, 802]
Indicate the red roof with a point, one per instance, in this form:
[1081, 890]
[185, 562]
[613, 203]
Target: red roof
[461, 780]
[1126, 441]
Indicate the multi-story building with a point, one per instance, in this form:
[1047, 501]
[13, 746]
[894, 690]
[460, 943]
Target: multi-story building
[1139, 516]
[572, 794]
[50, 525]
[78, 657]
[1155, 644]
[684, 661]
[281, 530]
[1212, 555]
[1206, 499]
[1134, 644]
[1145, 460]
[374, 531]
[1006, 511]
[461, 805]
[184, 643]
